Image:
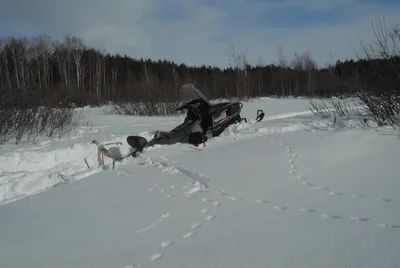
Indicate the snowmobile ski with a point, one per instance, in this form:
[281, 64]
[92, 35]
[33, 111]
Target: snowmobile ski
[137, 143]
[260, 115]
[103, 151]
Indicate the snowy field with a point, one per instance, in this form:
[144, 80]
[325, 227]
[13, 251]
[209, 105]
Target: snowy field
[293, 191]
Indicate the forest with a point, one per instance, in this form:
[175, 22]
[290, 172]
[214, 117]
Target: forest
[41, 73]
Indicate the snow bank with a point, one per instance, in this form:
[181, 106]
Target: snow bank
[29, 172]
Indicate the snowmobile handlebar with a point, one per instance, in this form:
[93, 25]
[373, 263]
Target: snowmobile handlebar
[260, 115]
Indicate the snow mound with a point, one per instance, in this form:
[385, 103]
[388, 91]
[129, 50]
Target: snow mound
[28, 172]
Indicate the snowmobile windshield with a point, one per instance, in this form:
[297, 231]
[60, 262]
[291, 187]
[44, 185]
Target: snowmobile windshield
[189, 92]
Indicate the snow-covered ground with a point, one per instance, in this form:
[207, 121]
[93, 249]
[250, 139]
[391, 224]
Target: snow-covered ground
[291, 191]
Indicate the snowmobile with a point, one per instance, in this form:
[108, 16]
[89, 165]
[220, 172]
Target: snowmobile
[203, 121]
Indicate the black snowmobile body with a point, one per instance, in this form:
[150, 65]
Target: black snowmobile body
[222, 115]
[225, 114]
[214, 119]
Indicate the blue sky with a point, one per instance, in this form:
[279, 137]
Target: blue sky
[199, 32]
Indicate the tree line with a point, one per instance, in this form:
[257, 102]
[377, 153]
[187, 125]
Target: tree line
[67, 71]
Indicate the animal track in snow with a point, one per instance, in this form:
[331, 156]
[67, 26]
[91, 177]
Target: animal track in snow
[230, 197]
[165, 244]
[307, 210]
[333, 193]
[318, 187]
[293, 169]
[221, 192]
[217, 204]
[334, 217]
[301, 177]
[282, 208]
[167, 192]
[188, 235]
[384, 200]
[205, 210]
[195, 225]
[389, 225]
[360, 219]
[210, 217]
[330, 216]
[132, 266]
[305, 182]
[156, 256]
[205, 199]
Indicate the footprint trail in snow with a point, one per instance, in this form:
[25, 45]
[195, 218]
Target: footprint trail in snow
[293, 169]
[200, 181]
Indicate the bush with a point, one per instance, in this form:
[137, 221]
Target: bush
[144, 108]
[381, 77]
[383, 108]
[335, 108]
[23, 120]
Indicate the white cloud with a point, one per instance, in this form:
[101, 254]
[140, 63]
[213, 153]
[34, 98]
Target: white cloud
[205, 33]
